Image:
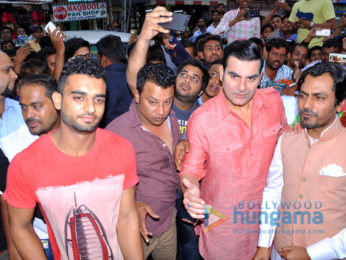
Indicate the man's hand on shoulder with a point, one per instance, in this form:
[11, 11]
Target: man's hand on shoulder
[181, 149]
[143, 210]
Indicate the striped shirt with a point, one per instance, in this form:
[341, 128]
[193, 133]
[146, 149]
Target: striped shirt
[242, 30]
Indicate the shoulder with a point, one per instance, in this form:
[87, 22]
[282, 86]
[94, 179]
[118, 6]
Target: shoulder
[267, 94]
[205, 112]
[37, 148]
[120, 123]
[108, 137]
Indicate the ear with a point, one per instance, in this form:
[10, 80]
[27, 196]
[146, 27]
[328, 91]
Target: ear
[201, 55]
[57, 100]
[340, 106]
[221, 73]
[136, 96]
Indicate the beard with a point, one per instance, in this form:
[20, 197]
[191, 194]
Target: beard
[9, 93]
[68, 120]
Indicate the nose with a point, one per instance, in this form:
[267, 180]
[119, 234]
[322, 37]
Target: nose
[90, 105]
[13, 74]
[308, 103]
[160, 109]
[28, 112]
[242, 84]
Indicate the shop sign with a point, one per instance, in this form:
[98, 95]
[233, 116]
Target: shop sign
[79, 11]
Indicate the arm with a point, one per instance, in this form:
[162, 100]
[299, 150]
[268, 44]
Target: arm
[223, 26]
[139, 53]
[27, 242]
[271, 14]
[270, 203]
[21, 55]
[341, 25]
[57, 37]
[12, 250]
[305, 24]
[128, 227]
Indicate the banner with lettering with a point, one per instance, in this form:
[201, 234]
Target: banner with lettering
[78, 12]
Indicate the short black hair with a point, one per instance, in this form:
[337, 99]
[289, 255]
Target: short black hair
[72, 45]
[211, 37]
[258, 42]
[277, 43]
[276, 15]
[265, 27]
[82, 66]
[198, 64]
[155, 53]
[336, 71]
[45, 52]
[245, 50]
[6, 28]
[6, 42]
[188, 44]
[158, 73]
[44, 80]
[313, 49]
[11, 52]
[111, 47]
[296, 45]
[333, 42]
[34, 66]
[46, 42]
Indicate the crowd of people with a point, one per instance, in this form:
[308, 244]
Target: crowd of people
[221, 142]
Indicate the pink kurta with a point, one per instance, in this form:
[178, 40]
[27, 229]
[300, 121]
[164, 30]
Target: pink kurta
[233, 162]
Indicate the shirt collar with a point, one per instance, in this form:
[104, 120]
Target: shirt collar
[328, 133]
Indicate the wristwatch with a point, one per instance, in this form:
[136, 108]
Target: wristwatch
[311, 24]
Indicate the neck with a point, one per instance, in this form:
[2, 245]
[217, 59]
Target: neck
[287, 34]
[205, 97]
[315, 133]
[270, 73]
[216, 23]
[72, 142]
[185, 106]
[202, 29]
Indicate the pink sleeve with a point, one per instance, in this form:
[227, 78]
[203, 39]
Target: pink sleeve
[224, 24]
[258, 29]
[195, 161]
[19, 192]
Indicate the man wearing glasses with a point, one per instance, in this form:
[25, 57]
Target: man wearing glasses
[77, 47]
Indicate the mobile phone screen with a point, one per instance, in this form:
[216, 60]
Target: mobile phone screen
[179, 22]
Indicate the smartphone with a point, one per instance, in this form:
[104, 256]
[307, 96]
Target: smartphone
[178, 23]
[337, 57]
[323, 32]
[22, 39]
[281, 1]
[51, 27]
[133, 32]
[251, 13]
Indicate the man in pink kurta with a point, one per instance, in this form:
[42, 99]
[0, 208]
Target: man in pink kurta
[232, 139]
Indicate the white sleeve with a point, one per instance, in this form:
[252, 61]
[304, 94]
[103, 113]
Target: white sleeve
[271, 199]
[329, 248]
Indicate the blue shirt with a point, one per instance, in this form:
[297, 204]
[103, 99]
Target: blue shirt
[284, 72]
[12, 118]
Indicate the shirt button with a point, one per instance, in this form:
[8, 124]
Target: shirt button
[303, 179]
[300, 195]
[164, 145]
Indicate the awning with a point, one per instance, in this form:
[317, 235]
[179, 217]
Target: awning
[26, 2]
[188, 2]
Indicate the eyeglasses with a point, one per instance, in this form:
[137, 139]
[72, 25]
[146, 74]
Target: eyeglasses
[193, 78]
[85, 56]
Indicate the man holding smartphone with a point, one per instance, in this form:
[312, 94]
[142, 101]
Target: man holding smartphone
[308, 14]
[239, 24]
